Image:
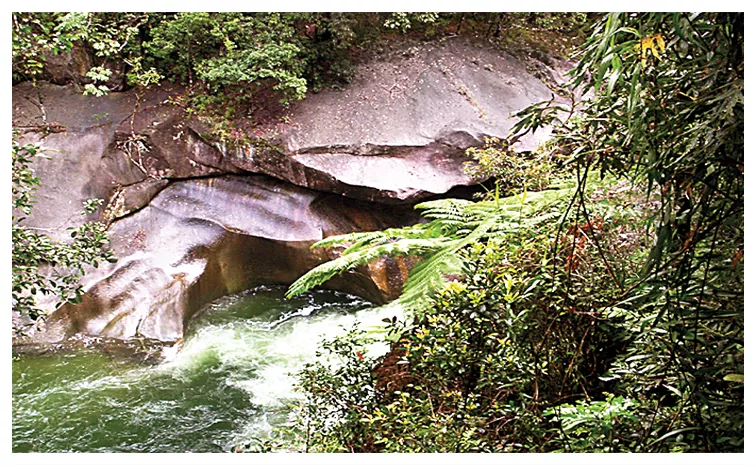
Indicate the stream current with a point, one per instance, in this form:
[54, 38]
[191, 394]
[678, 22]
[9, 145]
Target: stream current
[228, 385]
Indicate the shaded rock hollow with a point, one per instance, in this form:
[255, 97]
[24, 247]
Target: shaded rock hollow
[201, 239]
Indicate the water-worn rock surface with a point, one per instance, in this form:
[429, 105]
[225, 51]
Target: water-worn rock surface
[193, 219]
[411, 114]
[201, 239]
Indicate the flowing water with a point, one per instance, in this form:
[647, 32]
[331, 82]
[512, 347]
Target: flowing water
[229, 384]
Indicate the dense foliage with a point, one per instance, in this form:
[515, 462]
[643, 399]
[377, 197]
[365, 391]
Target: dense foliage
[668, 112]
[237, 64]
[42, 266]
[617, 324]
[512, 172]
[474, 370]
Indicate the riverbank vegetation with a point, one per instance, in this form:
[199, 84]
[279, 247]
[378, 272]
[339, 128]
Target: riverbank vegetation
[607, 319]
[244, 69]
[40, 265]
[591, 301]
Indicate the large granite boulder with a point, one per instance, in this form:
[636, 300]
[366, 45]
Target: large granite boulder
[193, 219]
[399, 131]
[397, 134]
[451, 92]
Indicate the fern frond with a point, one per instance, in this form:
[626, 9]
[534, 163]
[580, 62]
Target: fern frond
[346, 238]
[454, 224]
[546, 217]
[413, 232]
[429, 275]
[449, 217]
[446, 210]
[328, 270]
[370, 236]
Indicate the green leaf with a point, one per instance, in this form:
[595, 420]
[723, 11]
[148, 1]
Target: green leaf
[734, 378]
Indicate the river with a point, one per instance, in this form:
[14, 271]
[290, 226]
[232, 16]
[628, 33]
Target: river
[228, 385]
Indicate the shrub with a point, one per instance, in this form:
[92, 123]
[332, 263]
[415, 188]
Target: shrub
[519, 330]
[40, 265]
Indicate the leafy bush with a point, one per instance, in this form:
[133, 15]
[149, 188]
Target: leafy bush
[598, 426]
[339, 391]
[513, 172]
[515, 331]
[274, 62]
[39, 265]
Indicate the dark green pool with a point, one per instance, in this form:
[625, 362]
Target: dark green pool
[228, 384]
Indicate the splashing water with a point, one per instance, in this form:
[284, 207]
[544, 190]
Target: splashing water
[228, 384]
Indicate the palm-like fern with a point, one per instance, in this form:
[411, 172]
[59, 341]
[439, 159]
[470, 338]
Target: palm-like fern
[454, 224]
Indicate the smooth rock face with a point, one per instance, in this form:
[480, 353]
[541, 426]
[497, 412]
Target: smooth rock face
[191, 220]
[98, 147]
[401, 175]
[419, 94]
[199, 240]
[399, 131]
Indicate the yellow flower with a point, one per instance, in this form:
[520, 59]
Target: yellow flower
[651, 43]
[660, 42]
